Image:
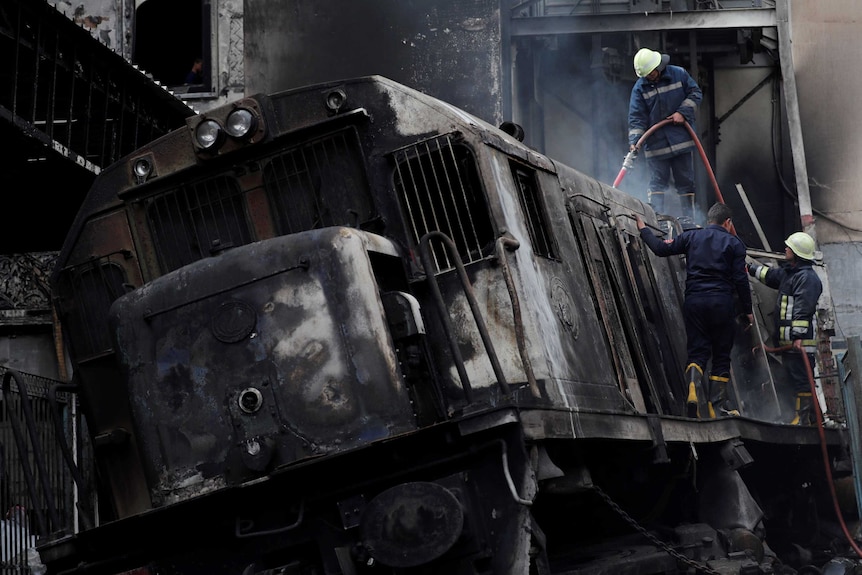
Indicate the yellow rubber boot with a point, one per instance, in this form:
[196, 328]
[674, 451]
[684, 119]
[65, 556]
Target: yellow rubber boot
[694, 374]
[803, 409]
[719, 402]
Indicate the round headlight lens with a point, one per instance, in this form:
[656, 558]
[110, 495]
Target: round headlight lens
[207, 134]
[240, 123]
[143, 168]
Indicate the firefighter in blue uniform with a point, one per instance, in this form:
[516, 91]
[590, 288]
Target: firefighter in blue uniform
[715, 272]
[665, 92]
[799, 288]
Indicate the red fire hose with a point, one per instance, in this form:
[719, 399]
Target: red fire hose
[826, 466]
[628, 162]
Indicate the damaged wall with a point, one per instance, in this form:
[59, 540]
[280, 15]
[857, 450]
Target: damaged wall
[163, 31]
[826, 49]
[111, 21]
[450, 49]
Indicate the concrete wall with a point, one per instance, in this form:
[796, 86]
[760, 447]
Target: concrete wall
[30, 353]
[827, 49]
[111, 21]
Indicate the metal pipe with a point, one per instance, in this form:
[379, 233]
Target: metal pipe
[512, 244]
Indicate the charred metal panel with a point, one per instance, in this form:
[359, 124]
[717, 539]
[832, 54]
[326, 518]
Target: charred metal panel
[450, 49]
[266, 355]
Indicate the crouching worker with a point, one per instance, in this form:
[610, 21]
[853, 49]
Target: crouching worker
[799, 288]
[715, 272]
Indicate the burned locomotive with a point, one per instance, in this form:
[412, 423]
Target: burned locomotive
[350, 328]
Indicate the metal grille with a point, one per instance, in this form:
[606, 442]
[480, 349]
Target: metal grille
[88, 290]
[438, 186]
[318, 184]
[197, 220]
[27, 510]
[73, 94]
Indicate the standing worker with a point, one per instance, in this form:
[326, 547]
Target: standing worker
[665, 92]
[799, 288]
[715, 271]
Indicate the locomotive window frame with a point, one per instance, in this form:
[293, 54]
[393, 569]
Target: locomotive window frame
[535, 211]
[439, 189]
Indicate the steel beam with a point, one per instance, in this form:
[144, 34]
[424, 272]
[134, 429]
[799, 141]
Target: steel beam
[641, 22]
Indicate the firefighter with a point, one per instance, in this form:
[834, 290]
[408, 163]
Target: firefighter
[715, 271]
[799, 288]
[665, 92]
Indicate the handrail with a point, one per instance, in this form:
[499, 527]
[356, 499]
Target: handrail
[425, 255]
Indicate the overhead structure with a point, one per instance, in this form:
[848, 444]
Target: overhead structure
[69, 106]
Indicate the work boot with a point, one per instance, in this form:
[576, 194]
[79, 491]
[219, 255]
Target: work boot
[655, 198]
[804, 406]
[694, 375]
[719, 404]
[686, 208]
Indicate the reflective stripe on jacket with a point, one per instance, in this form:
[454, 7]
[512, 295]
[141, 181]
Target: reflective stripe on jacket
[675, 91]
[799, 288]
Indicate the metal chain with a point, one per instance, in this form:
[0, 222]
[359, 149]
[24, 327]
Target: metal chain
[699, 567]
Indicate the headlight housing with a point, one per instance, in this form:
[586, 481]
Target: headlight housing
[226, 129]
[209, 135]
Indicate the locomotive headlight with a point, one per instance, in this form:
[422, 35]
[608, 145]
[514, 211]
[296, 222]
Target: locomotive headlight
[208, 134]
[241, 123]
[335, 99]
[142, 168]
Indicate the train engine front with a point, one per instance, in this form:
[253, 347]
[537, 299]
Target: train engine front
[241, 305]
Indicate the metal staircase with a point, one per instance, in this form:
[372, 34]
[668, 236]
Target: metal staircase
[69, 106]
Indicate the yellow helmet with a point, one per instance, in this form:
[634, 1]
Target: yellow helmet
[801, 244]
[646, 61]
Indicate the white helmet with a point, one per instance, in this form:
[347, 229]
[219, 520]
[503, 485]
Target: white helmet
[801, 244]
[647, 60]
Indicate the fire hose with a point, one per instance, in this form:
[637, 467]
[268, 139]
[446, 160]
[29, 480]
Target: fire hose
[628, 162]
[819, 415]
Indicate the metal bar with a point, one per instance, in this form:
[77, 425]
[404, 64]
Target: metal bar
[745, 98]
[753, 217]
[71, 113]
[51, 92]
[794, 121]
[86, 144]
[37, 48]
[471, 299]
[505, 244]
[640, 22]
[60, 436]
[756, 326]
[23, 453]
[105, 155]
[16, 73]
